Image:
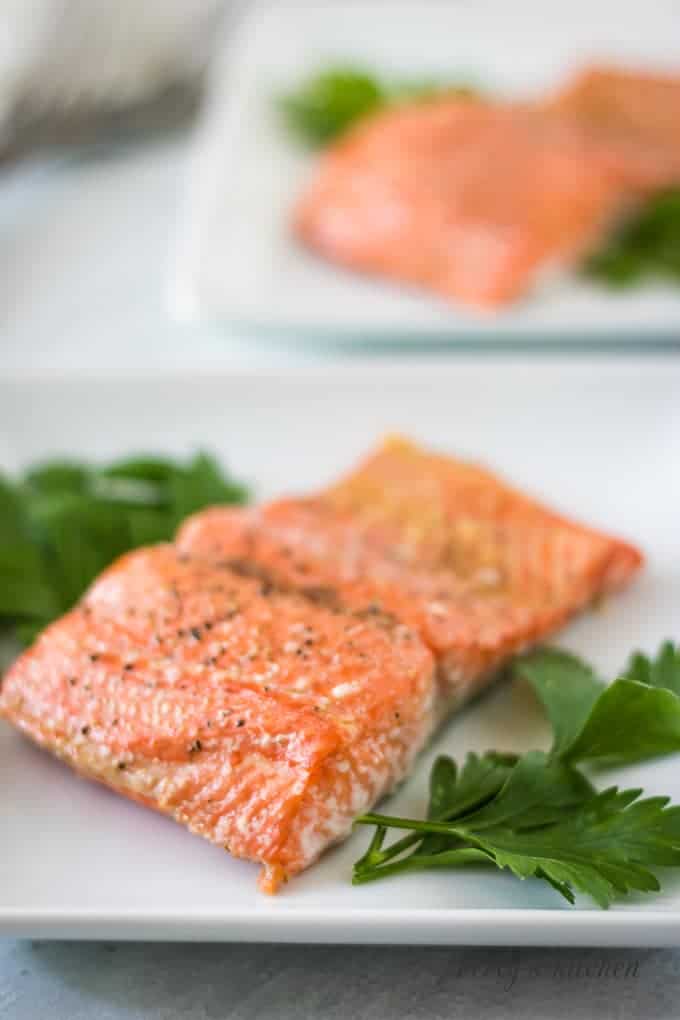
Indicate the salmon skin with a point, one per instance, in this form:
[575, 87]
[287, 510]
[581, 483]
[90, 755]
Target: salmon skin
[479, 570]
[263, 721]
[472, 199]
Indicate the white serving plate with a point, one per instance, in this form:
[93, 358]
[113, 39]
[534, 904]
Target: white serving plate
[598, 438]
[236, 260]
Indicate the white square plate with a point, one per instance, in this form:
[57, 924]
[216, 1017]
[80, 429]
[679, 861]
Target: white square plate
[601, 440]
[236, 260]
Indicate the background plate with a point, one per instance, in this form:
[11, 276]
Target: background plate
[236, 260]
[599, 440]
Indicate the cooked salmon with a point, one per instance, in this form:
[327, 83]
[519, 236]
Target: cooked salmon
[274, 673]
[262, 720]
[634, 106]
[476, 568]
[470, 199]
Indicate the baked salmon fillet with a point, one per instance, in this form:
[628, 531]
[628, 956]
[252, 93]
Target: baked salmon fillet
[262, 720]
[479, 570]
[469, 199]
[637, 106]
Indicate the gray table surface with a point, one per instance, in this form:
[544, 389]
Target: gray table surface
[81, 292]
[113, 981]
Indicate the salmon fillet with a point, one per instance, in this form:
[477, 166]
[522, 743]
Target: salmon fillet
[262, 720]
[635, 106]
[274, 673]
[476, 568]
[470, 199]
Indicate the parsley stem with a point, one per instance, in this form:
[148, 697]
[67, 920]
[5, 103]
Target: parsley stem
[376, 857]
[389, 822]
[425, 862]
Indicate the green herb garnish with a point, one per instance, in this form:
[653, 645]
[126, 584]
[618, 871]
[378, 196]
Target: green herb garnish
[635, 717]
[646, 246]
[538, 814]
[61, 523]
[328, 103]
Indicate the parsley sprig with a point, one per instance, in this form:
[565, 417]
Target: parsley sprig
[645, 247]
[62, 522]
[538, 814]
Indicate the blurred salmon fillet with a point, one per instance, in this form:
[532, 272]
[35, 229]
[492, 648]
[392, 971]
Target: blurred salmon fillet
[471, 199]
[261, 720]
[475, 567]
[637, 106]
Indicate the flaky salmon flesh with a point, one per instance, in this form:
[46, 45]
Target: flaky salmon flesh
[473, 199]
[274, 672]
[479, 570]
[257, 718]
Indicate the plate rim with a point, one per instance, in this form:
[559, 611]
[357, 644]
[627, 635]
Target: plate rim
[402, 367]
[456, 926]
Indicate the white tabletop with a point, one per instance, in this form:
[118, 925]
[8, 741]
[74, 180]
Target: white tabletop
[85, 242]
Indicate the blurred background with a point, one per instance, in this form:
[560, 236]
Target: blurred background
[99, 101]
